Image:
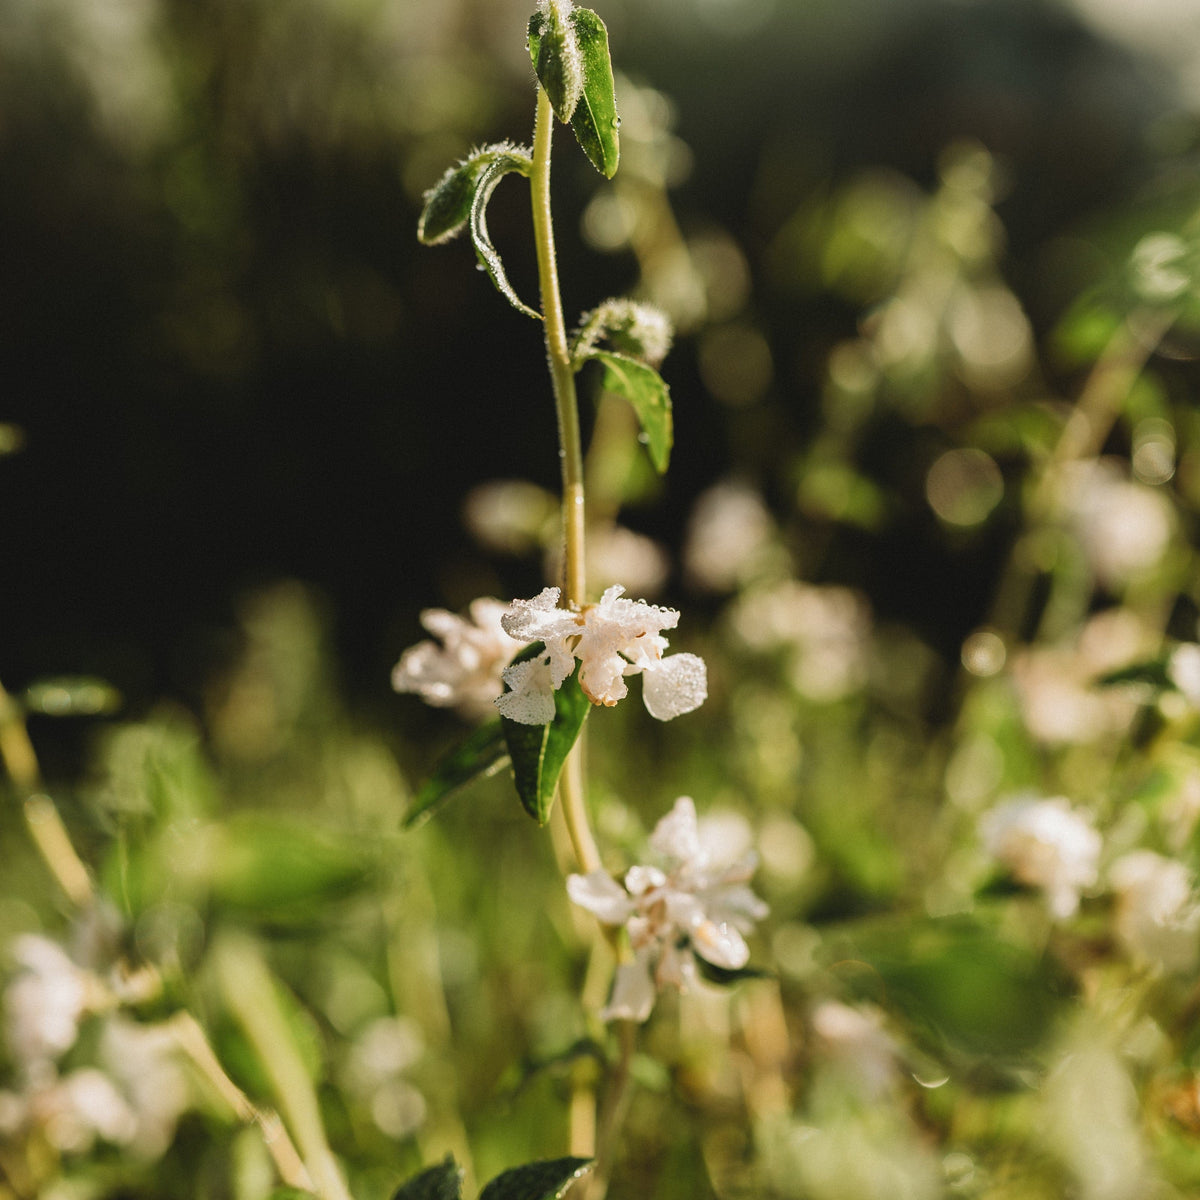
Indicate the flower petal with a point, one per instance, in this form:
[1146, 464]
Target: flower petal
[530, 698]
[676, 685]
[601, 895]
[677, 835]
[720, 944]
[633, 992]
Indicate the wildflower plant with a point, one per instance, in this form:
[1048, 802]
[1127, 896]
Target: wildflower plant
[978, 840]
[575, 653]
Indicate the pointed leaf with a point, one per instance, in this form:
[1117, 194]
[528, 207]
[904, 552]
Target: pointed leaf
[647, 391]
[537, 1180]
[483, 753]
[448, 203]
[595, 121]
[443, 1182]
[1153, 672]
[539, 751]
[728, 975]
[486, 252]
[554, 49]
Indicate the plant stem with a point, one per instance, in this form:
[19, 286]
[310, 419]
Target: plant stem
[570, 450]
[562, 372]
[42, 819]
[192, 1040]
[251, 995]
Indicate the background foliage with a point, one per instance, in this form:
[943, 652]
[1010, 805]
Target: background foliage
[245, 414]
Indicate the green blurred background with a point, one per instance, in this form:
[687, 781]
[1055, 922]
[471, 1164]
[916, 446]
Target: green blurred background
[230, 362]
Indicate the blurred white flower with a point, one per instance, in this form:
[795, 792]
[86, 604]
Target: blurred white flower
[855, 1042]
[143, 1061]
[1183, 670]
[611, 639]
[511, 516]
[696, 903]
[729, 534]
[374, 1071]
[825, 631]
[1157, 916]
[43, 1004]
[1124, 527]
[81, 1107]
[464, 671]
[1056, 684]
[618, 553]
[1047, 844]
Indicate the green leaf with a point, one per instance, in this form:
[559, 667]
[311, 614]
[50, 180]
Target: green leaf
[726, 976]
[448, 203]
[1152, 672]
[962, 986]
[279, 867]
[537, 1180]
[443, 1182]
[484, 250]
[539, 751]
[482, 753]
[637, 330]
[554, 51]
[647, 391]
[595, 121]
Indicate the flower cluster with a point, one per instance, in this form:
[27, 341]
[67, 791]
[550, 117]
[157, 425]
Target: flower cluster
[613, 639]
[1046, 844]
[464, 671]
[696, 903]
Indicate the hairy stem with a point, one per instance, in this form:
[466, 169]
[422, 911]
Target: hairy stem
[570, 449]
[562, 372]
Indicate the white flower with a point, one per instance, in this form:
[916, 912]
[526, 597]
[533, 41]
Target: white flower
[1157, 917]
[854, 1040]
[1046, 844]
[823, 632]
[1123, 527]
[144, 1063]
[729, 537]
[611, 640]
[464, 671]
[697, 902]
[1183, 669]
[43, 1003]
[1056, 684]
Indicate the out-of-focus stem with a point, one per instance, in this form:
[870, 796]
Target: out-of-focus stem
[192, 1041]
[42, 819]
[612, 1111]
[250, 993]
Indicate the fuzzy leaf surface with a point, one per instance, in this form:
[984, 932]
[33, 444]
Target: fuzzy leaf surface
[441, 1182]
[537, 1180]
[448, 203]
[538, 752]
[487, 254]
[595, 121]
[647, 391]
[554, 50]
[483, 753]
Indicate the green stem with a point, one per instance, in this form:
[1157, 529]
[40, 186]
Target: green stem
[250, 993]
[558, 356]
[562, 378]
